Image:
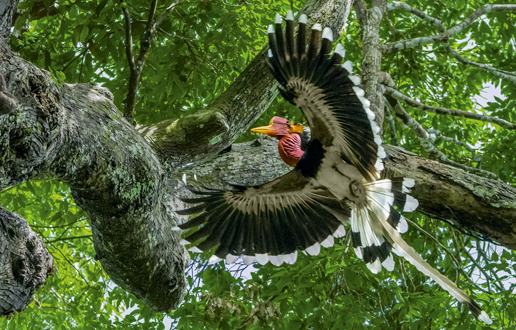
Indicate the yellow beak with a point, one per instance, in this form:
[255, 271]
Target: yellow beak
[267, 130]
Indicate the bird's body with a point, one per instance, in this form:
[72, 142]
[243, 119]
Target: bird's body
[335, 180]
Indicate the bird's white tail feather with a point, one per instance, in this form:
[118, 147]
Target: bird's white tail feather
[381, 198]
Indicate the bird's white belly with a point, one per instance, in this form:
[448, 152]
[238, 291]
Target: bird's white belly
[343, 180]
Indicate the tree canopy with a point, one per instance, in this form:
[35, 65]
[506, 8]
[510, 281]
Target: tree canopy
[439, 58]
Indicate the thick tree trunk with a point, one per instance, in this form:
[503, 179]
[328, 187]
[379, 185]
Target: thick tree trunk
[75, 134]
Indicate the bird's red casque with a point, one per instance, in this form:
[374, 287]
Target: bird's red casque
[289, 144]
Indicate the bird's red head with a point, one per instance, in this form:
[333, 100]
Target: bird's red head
[279, 127]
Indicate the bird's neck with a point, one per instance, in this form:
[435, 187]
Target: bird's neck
[289, 148]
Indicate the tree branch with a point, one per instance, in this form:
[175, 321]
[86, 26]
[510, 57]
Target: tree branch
[369, 20]
[452, 140]
[406, 7]
[415, 42]
[448, 112]
[128, 39]
[511, 76]
[147, 35]
[136, 67]
[67, 238]
[427, 142]
[392, 125]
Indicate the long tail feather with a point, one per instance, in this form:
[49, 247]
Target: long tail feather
[380, 224]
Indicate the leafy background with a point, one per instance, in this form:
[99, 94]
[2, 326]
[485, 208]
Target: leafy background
[199, 50]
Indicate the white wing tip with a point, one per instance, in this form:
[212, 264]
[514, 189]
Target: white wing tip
[370, 114]
[402, 225]
[389, 263]
[378, 139]
[485, 318]
[303, 19]
[184, 242]
[348, 66]
[270, 53]
[270, 29]
[276, 260]
[358, 252]
[314, 249]
[375, 127]
[327, 34]
[381, 152]
[409, 182]
[365, 102]
[184, 178]
[249, 260]
[277, 19]
[340, 232]
[290, 16]
[231, 258]
[340, 50]
[262, 258]
[317, 27]
[355, 79]
[328, 242]
[379, 164]
[375, 267]
[214, 259]
[358, 91]
[195, 249]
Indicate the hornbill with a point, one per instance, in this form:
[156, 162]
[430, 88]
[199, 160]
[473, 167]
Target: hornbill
[335, 181]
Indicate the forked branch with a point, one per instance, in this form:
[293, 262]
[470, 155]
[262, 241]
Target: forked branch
[444, 36]
[449, 112]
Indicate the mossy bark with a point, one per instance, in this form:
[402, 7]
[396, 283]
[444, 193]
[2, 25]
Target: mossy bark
[123, 177]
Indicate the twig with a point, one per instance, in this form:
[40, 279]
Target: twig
[511, 76]
[77, 219]
[483, 254]
[449, 112]
[402, 5]
[415, 42]
[67, 238]
[128, 39]
[392, 125]
[71, 264]
[438, 133]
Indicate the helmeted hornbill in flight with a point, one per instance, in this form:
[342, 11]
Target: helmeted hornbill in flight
[335, 181]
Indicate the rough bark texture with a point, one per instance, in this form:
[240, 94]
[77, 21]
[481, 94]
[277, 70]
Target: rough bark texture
[369, 20]
[478, 204]
[25, 263]
[75, 134]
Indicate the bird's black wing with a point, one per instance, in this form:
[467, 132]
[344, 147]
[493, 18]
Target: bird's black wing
[265, 223]
[326, 92]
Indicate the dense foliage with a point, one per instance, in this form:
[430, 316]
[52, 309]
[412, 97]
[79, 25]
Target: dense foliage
[199, 50]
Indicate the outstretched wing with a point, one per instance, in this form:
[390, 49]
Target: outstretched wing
[266, 223]
[326, 92]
